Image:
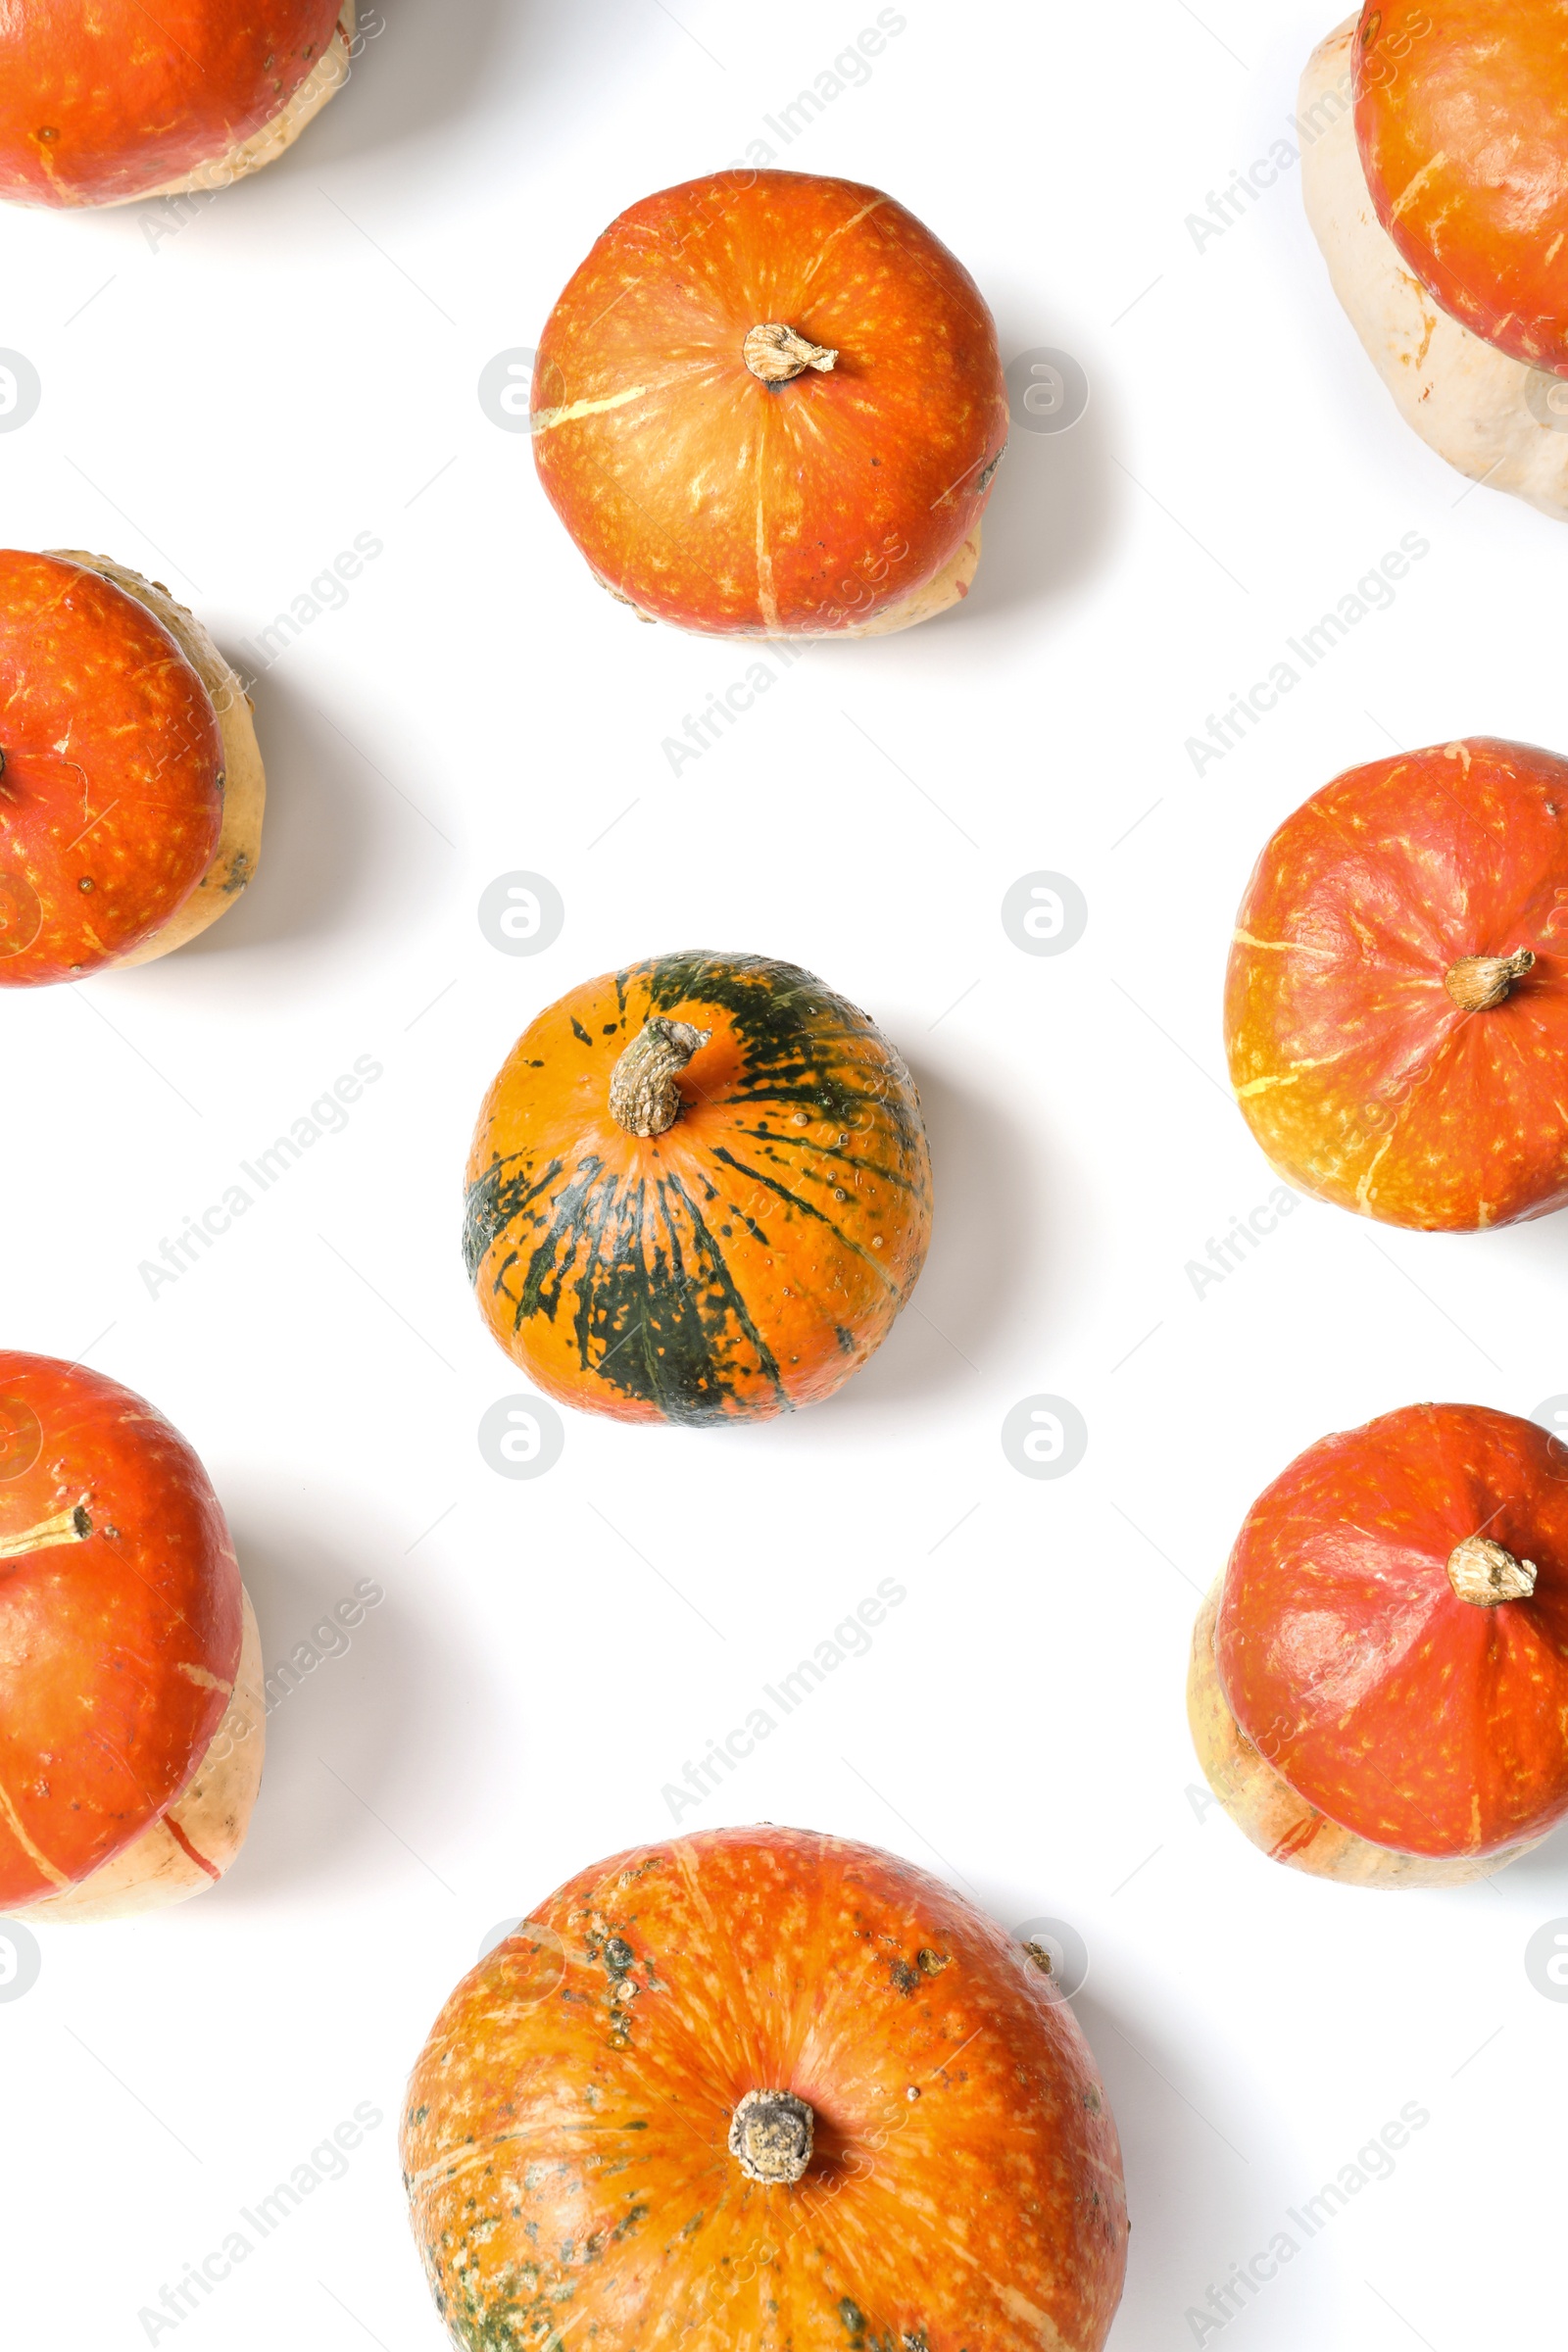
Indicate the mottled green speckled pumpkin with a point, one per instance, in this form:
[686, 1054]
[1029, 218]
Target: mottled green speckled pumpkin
[699, 1191]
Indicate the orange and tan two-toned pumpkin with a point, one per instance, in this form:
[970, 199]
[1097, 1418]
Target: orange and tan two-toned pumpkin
[771, 404]
[131, 789]
[132, 1711]
[768, 2089]
[1434, 170]
[104, 101]
[1379, 1682]
[699, 1191]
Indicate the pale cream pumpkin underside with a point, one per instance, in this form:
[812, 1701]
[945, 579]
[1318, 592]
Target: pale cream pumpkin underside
[1268, 1810]
[211, 1814]
[324, 81]
[944, 589]
[239, 844]
[949, 587]
[1475, 406]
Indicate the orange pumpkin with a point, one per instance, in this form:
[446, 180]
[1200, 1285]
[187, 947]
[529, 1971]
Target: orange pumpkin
[1460, 118]
[764, 2088]
[131, 1714]
[1396, 1001]
[1378, 1683]
[1440, 200]
[131, 789]
[103, 101]
[771, 404]
[699, 1191]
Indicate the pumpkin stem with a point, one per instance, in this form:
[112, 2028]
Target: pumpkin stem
[770, 2136]
[1477, 982]
[644, 1097]
[66, 1527]
[1484, 1574]
[774, 354]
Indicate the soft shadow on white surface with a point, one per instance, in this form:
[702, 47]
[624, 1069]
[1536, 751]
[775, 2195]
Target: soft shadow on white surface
[1177, 2127]
[1051, 515]
[368, 1711]
[342, 849]
[418, 68]
[982, 1277]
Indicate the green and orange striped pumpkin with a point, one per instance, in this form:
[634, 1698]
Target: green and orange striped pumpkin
[699, 1191]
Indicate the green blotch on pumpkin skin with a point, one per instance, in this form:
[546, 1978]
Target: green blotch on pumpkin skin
[666, 1326]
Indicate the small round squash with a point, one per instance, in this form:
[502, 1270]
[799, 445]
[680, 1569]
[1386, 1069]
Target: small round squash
[771, 404]
[1396, 1001]
[764, 2089]
[131, 789]
[1379, 1682]
[1435, 171]
[132, 1711]
[104, 101]
[699, 1191]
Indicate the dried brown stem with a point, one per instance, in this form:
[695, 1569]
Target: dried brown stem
[770, 2136]
[774, 354]
[1477, 982]
[644, 1097]
[1484, 1573]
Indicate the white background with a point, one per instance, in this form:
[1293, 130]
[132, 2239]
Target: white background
[225, 407]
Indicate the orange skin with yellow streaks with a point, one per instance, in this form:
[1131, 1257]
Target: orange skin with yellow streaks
[1461, 115]
[103, 100]
[744, 1262]
[1422, 1722]
[112, 793]
[1360, 1077]
[714, 501]
[120, 1631]
[566, 2129]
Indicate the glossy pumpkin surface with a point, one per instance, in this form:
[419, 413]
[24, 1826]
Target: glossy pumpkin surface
[102, 100]
[567, 2130]
[1461, 115]
[1414, 1718]
[1365, 1079]
[742, 1263]
[112, 788]
[120, 1621]
[722, 503]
